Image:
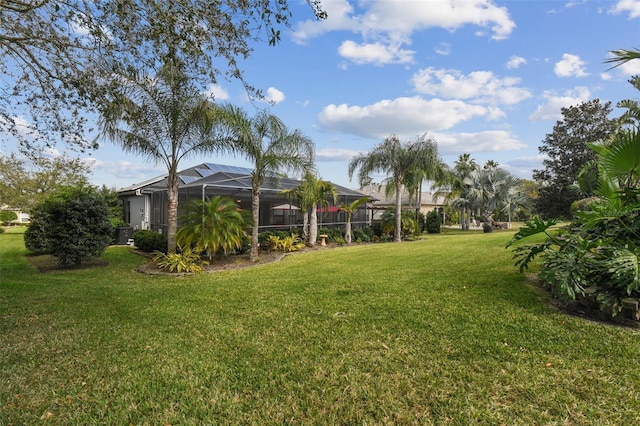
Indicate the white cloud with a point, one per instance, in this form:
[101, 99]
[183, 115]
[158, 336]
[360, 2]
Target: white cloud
[570, 66]
[376, 53]
[515, 62]
[480, 86]
[386, 25]
[323, 155]
[630, 68]
[216, 92]
[551, 110]
[136, 172]
[274, 96]
[488, 141]
[632, 7]
[403, 116]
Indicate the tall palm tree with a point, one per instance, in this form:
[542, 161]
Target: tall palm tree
[452, 184]
[349, 209]
[312, 192]
[165, 119]
[397, 160]
[267, 142]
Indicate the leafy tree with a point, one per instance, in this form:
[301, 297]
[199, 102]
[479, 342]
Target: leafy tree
[272, 148]
[7, 216]
[566, 151]
[349, 209]
[25, 183]
[57, 55]
[214, 226]
[76, 224]
[398, 160]
[165, 119]
[114, 203]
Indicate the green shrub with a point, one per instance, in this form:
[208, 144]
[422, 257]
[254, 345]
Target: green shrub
[333, 234]
[72, 224]
[150, 241]
[363, 235]
[433, 222]
[1, 230]
[77, 225]
[186, 261]
[35, 238]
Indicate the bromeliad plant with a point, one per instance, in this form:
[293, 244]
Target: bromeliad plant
[601, 250]
[184, 261]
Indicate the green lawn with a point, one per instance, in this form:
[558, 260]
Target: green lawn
[443, 330]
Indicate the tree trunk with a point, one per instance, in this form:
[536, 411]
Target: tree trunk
[255, 214]
[398, 232]
[313, 226]
[172, 210]
[305, 226]
[347, 234]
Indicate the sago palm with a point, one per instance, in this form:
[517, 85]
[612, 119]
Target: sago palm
[213, 227]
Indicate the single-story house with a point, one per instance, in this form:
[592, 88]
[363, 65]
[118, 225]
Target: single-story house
[428, 201]
[145, 203]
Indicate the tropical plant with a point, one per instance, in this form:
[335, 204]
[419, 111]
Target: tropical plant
[489, 190]
[602, 251]
[165, 119]
[408, 224]
[397, 160]
[315, 193]
[349, 209]
[451, 186]
[183, 261]
[216, 226]
[288, 243]
[272, 148]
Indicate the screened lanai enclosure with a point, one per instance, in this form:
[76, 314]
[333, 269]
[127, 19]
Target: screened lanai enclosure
[145, 204]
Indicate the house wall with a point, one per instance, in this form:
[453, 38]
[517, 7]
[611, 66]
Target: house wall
[136, 211]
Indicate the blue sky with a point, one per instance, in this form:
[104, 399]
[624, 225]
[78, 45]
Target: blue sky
[482, 77]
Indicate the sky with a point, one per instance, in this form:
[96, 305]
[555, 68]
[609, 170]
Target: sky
[488, 78]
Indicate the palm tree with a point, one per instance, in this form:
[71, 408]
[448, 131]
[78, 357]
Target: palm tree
[622, 56]
[452, 182]
[164, 119]
[396, 159]
[212, 226]
[273, 149]
[316, 193]
[488, 190]
[349, 209]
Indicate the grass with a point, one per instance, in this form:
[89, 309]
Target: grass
[438, 331]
